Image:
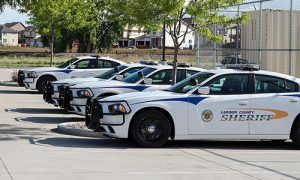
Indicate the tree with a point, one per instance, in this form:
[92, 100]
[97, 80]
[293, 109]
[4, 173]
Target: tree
[152, 14]
[52, 16]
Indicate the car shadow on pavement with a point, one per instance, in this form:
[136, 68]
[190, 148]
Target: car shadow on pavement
[10, 132]
[87, 142]
[37, 111]
[8, 83]
[50, 120]
[236, 145]
[82, 142]
[18, 92]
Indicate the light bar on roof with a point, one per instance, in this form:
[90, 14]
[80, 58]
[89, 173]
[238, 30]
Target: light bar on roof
[180, 64]
[243, 66]
[149, 62]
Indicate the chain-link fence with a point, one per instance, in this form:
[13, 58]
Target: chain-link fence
[270, 38]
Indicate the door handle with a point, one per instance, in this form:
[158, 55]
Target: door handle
[294, 100]
[91, 73]
[243, 103]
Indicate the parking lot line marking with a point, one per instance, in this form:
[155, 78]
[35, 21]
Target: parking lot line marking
[6, 168]
[9, 70]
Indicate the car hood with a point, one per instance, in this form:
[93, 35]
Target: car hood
[153, 96]
[77, 80]
[101, 84]
[43, 69]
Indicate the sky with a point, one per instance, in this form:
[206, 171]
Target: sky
[10, 15]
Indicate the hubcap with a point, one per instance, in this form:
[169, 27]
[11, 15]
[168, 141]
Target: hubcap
[151, 129]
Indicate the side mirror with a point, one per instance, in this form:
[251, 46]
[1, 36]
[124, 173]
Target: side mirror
[119, 77]
[204, 90]
[194, 82]
[71, 66]
[148, 81]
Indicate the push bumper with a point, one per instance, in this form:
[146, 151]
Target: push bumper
[94, 119]
[65, 97]
[21, 77]
[48, 92]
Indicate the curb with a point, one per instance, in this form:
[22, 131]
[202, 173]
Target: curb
[77, 129]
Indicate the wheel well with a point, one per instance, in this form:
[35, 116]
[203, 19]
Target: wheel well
[44, 76]
[160, 110]
[294, 123]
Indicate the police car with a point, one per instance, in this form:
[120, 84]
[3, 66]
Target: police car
[150, 78]
[51, 93]
[223, 104]
[84, 66]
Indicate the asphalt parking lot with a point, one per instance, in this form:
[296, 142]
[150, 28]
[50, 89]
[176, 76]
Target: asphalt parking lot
[31, 149]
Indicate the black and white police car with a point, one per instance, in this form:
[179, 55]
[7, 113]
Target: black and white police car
[153, 77]
[222, 104]
[84, 66]
[51, 93]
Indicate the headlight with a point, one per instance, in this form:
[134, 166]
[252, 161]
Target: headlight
[32, 75]
[84, 94]
[117, 109]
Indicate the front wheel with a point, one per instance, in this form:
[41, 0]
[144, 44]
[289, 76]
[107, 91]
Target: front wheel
[295, 135]
[150, 128]
[42, 82]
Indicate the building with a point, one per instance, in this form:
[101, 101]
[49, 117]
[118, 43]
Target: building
[275, 36]
[138, 38]
[8, 37]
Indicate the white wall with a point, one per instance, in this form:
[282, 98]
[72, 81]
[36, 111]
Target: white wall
[9, 39]
[189, 39]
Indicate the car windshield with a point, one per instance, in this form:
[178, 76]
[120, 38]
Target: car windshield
[135, 77]
[112, 72]
[66, 64]
[189, 83]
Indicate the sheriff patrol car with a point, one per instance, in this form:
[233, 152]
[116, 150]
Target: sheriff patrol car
[51, 93]
[228, 104]
[84, 66]
[150, 78]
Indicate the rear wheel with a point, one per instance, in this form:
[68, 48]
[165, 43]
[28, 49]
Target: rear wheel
[295, 134]
[42, 82]
[150, 128]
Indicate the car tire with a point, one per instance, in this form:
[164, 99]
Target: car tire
[150, 129]
[40, 86]
[295, 135]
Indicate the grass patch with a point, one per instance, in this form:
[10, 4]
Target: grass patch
[32, 61]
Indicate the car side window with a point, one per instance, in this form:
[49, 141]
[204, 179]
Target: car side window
[86, 64]
[229, 84]
[162, 77]
[181, 75]
[131, 71]
[105, 64]
[269, 84]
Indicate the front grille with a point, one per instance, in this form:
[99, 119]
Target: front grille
[48, 92]
[65, 97]
[21, 77]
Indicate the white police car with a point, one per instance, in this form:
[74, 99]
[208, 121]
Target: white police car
[51, 94]
[150, 78]
[84, 66]
[224, 104]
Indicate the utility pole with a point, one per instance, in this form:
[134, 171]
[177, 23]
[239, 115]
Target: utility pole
[164, 43]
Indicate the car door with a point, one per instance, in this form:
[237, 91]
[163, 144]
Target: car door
[274, 105]
[103, 66]
[84, 68]
[222, 110]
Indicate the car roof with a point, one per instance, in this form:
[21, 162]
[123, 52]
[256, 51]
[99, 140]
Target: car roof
[261, 72]
[101, 57]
